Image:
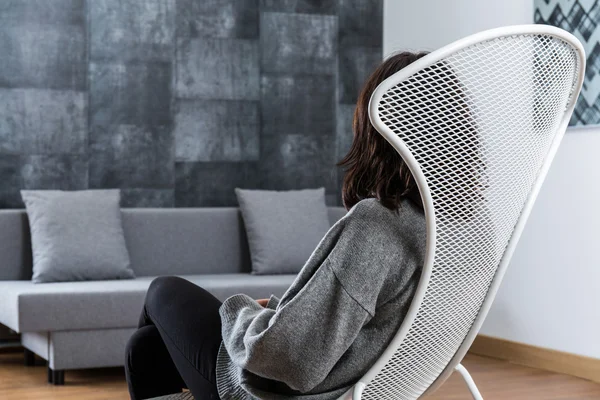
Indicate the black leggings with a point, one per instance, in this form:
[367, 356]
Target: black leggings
[177, 342]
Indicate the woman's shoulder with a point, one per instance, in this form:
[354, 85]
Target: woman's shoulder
[371, 210]
[367, 209]
[369, 224]
[381, 224]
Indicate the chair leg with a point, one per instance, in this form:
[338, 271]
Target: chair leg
[56, 376]
[469, 381]
[29, 358]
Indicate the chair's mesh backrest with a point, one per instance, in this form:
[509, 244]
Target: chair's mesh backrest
[479, 123]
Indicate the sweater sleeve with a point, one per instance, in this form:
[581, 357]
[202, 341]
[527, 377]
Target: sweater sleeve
[300, 342]
[273, 302]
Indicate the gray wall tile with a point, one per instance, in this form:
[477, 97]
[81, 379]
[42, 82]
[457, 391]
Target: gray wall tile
[292, 161]
[147, 198]
[129, 156]
[217, 69]
[137, 94]
[212, 184]
[132, 30]
[10, 172]
[300, 6]
[298, 104]
[34, 121]
[361, 22]
[42, 56]
[298, 43]
[216, 130]
[59, 12]
[355, 66]
[217, 18]
[11, 198]
[187, 99]
[60, 172]
[344, 137]
[344, 133]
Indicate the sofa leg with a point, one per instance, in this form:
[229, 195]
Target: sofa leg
[29, 358]
[56, 377]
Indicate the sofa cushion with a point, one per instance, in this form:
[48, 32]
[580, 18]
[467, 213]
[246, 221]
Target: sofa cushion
[283, 227]
[27, 307]
[76, 236]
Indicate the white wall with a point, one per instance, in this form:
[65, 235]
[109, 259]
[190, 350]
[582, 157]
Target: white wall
[429, 24]
[550, 296]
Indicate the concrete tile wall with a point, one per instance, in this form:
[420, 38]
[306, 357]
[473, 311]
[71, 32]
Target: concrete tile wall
[177, 102]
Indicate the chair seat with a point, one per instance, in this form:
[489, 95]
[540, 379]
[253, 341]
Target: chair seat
[30, 307]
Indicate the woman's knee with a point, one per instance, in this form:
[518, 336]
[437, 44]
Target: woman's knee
[171, 298]
[166, 283]
[162, 289]
[140, 345]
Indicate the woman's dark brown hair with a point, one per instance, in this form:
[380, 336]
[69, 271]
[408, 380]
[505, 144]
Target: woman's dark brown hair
[373, 169]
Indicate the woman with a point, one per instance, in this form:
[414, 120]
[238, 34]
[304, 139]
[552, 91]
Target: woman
[332, 323]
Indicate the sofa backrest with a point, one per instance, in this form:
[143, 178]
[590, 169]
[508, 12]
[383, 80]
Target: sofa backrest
[161, 241]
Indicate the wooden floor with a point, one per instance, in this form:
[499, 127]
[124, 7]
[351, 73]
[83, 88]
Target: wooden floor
[496, 380]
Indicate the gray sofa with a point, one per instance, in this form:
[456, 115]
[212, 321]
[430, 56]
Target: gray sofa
[87, 324]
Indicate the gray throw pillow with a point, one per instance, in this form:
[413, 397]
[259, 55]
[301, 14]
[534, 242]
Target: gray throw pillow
[76, 236]
[283, 228]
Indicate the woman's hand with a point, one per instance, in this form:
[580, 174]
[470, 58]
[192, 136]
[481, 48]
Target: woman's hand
[262, 302]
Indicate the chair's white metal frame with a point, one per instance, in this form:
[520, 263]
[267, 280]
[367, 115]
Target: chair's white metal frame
[454, 365]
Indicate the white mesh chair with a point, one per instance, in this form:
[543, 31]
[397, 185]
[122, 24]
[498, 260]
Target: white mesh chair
[478, 123]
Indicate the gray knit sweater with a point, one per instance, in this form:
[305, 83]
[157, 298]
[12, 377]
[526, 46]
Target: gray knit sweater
[337, 317]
